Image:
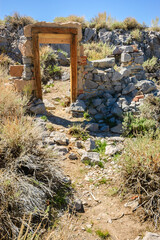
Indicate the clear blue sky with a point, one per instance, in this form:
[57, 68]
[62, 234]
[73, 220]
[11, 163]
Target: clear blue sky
[47, 10]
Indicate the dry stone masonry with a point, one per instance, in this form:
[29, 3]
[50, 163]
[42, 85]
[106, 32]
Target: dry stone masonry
[106, 88]
[112, 87]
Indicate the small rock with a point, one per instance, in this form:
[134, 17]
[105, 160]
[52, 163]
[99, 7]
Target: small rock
[93, 127]
[116, 76]
[117, 129]
[151, 236]
[60, 150]
[65, 76]
[78, 106]
[38, 109]
[92, 157]
[78, 206]
[104, 129]
[97, 102]
[125, 57]
[48, 105]
[129, 88]
[78, 144]
[89, 145]
[60, 138]
[90, 84]
[73, 156]
[112, 149]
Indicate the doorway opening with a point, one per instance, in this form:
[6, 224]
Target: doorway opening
[45, 35]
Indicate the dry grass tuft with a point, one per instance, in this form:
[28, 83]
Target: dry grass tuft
[70, 18]
[32, 187]
[17, 20]
[141, 172]
[95, 51]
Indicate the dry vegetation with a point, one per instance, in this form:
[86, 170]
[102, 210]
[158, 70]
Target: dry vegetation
[17, 20]
[48, 63]
[102, 20]
[99, 50]
[32, 187]
[141, 159]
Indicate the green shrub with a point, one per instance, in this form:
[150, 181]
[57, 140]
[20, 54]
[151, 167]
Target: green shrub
[151, 108]
[136, 34]
[5, 61]
[151, 65]
[135, 125]
[100, 147]
[140, 165]
[63, 52]
[48, 64]
[79, 132]
[102, 21]
[95, 51]
[86, 115]
[1, 22]
[131, 23]
[118, 25]
[155, 25]
[102, 234]
[17, 20]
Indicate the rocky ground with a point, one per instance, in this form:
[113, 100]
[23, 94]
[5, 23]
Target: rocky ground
[96, 188]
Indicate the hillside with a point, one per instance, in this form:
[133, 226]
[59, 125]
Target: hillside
[88, 169]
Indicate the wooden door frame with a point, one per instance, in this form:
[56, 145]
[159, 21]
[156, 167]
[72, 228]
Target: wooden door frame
[73, 55]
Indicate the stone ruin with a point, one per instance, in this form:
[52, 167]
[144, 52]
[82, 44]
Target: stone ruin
[105, 88]
[42, 32]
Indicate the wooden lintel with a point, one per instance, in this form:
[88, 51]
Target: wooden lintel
[55, 38]
[54, 41]
[60, 30]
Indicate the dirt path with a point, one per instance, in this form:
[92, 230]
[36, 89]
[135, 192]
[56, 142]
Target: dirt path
[96, 187]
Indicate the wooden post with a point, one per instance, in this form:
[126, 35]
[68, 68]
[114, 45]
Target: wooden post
[37, 74]
[73, 50]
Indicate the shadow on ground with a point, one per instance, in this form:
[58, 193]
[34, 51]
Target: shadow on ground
[67, 124]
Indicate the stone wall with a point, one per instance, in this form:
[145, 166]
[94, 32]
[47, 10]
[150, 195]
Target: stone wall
[112, 87]
[113, 73]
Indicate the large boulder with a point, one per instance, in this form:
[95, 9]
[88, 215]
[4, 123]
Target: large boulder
[126, 49]
[104, 35]
[129, 88]
[104, 63]
[146, 86]
[90, 34]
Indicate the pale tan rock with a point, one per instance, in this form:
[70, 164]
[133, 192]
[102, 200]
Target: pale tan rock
[26, 48]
